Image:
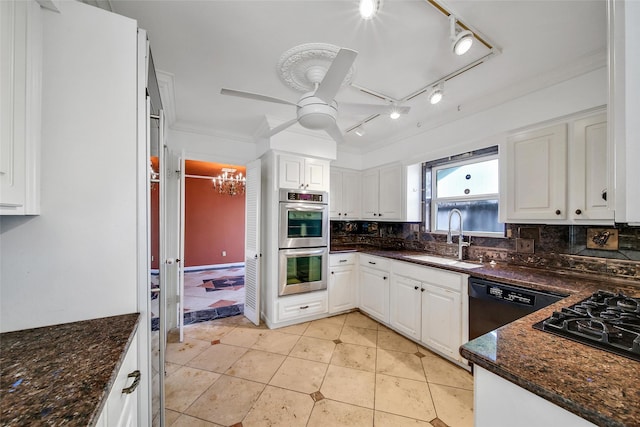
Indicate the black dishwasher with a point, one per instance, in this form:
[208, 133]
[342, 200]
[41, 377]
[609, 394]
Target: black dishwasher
[493, 304]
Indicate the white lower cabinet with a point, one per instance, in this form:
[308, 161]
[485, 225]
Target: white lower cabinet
[374, 287]
[121, 407]
[429, 305]
[442, 320]
[299, 306]
[342, 282]
[405, 305]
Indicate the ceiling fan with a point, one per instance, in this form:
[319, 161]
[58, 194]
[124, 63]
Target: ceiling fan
[318, 109]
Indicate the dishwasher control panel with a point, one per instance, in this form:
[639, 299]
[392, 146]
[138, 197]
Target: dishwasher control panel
[511, 295]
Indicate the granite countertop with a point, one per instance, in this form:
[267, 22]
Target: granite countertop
[598, 386]
[62, 374]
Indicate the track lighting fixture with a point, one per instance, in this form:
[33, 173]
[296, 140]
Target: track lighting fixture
[394, 114]
[369, 8]
[436, 93]
[461, 41]
[360, 130]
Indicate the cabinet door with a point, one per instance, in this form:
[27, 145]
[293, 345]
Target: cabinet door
[374, 293]
[390, 193]
[370, 187]
[342, 287]
[351, 195]
[589, 165]
[442, 320]
[121, 409]
[316, 175]
[405, 304]
[335, 195]
[291, 172]
[536, 178]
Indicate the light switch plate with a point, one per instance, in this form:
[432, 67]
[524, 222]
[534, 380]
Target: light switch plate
[525, 246]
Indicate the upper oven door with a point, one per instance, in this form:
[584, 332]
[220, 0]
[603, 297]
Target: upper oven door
[303, 225]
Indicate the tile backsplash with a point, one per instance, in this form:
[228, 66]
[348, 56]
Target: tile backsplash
[563, 247]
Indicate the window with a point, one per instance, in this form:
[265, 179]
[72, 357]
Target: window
[469, 185]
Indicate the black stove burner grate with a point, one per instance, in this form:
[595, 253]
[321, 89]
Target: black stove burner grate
[605, 320]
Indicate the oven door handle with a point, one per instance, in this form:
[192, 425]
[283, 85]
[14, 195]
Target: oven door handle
[306, 208]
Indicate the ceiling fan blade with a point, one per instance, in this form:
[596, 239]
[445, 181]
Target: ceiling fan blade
[335, 133]
[335, 76]
[355, 108]
[280, 128]
[256, 96]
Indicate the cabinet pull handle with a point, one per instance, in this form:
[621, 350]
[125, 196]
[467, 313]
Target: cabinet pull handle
[306, 186]
[416, 287]
[578, 211]
[558, 211]
[342, 260]
[372, 263]
[604, 194]
[136, 380]
[304, 307]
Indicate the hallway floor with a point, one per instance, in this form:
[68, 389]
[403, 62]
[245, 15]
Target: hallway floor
[346, 370]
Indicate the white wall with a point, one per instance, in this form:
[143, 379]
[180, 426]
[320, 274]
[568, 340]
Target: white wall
[487, 127]
[78, 259]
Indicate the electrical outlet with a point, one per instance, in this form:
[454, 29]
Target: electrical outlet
[525, 246]
[224, 253]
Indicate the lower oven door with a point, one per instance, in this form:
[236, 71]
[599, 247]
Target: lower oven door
[302, 270]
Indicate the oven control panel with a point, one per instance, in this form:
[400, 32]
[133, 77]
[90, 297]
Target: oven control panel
[511, 295]
[303, 196]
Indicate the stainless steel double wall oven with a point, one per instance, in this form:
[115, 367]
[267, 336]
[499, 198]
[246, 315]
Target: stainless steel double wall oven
[303, 230]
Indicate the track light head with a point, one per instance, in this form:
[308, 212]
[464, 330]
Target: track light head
[436, 94]
[360, 130]
[460, 41]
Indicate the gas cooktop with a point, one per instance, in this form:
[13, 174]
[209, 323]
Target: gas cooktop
[604, 320]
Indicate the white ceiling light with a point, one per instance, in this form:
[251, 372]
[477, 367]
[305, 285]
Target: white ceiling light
[436, 94]
[360, 130]
[369, 8]
[395, 114]
[460, 42]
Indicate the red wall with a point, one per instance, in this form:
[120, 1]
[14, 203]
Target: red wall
[213, 222]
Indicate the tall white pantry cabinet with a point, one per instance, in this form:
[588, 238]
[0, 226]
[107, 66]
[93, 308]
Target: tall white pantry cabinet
[83, 255]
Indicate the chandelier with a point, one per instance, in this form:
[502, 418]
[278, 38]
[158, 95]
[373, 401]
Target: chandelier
[228, 183]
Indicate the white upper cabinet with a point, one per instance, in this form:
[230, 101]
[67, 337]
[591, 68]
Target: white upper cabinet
[20, 107]
[382, 193]
[558, 174]
[536, 182]
[589, 166]
[303, 173]
[344, 196]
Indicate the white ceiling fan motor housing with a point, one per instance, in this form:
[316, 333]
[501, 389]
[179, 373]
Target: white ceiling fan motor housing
[314, 113]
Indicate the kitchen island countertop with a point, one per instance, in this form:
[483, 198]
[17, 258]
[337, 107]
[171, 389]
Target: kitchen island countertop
[62, 374]
[599, 386]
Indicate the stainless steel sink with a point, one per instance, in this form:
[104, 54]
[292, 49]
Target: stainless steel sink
[444, 261]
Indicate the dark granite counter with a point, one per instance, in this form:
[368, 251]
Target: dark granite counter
[596, 385]
[61, 374]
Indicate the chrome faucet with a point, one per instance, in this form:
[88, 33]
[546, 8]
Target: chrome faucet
[461, 241]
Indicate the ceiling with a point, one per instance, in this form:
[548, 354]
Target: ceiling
[200, 47]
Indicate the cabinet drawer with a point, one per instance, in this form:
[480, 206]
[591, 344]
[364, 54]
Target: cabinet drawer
[375, 262]
[443, 278]
[337, 260]
[302, 305]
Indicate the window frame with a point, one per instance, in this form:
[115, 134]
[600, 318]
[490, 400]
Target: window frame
[431, 202]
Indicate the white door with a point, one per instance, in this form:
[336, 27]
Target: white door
[252, 243]
[180, 260]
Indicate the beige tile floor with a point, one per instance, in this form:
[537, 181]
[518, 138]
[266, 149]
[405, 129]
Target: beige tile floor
[346, 370]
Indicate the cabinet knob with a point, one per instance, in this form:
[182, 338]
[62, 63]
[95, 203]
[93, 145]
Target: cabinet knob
[379, 214]
[339, 214]
[578, 211]
[306, 186]
[332, 272]
[421, 289]
[384, 278]
[416, 287]
[375, 214]
[558, 211]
